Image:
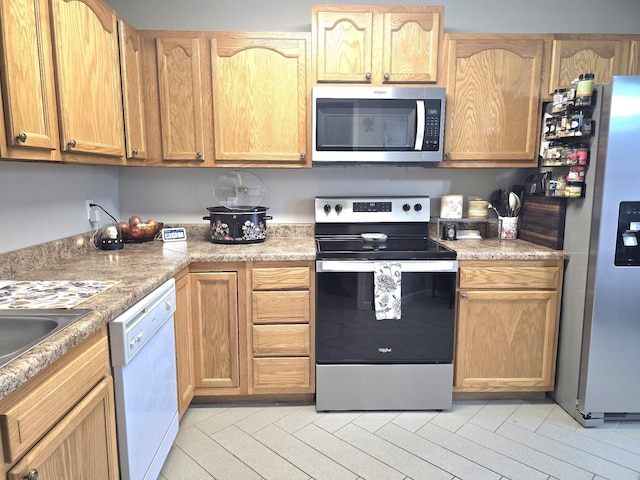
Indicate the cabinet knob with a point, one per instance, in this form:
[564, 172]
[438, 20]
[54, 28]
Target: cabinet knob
[464, 296]
[303, 156]
[198, 155]
[135, 151]
[367, 76]
[72, 143]
[387, 76]
[32, 475]
[447, 155]
[22, 137]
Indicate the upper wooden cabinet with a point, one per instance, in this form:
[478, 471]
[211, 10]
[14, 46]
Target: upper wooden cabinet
[634, 57]
[177, 99]
[376, 44]
[86, 65]
[132, 94]
[493, 85]
[260, 98]
[602, 55]
[28, 96]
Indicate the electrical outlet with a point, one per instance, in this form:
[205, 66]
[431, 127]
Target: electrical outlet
[93, 214]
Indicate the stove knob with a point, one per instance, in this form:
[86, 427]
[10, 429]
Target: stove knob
[327, 208]
[406, 207]
[338, 208]
[417, 207]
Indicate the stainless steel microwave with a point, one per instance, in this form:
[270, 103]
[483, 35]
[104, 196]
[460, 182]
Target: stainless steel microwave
[377, 125]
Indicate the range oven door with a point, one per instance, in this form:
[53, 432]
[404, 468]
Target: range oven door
[347, 331]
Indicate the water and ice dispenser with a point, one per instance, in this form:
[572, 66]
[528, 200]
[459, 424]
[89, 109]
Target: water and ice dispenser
[627, 248]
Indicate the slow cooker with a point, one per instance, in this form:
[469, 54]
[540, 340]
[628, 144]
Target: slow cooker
[240, 218]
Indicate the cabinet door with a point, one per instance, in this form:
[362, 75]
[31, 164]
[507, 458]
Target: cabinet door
[86, 432]
[410, 46]
[180, 90]
[571, 57]
[634, 58]
[215, 329]
[506, 341]
[133, 103]
[493, 100]
[343, 45]
[88, 80]
[184, 344]
[260, 83]
[27, 81]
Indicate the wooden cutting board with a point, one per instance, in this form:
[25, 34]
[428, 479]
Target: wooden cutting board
[542, 220]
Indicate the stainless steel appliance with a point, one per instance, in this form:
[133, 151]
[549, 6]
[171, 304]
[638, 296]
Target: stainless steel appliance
[144, 371]
[599, 344]
[377, 125]
[385, 306]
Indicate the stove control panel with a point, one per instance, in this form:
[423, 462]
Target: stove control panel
[372, 209]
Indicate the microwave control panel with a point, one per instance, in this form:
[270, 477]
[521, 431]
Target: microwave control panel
[431, 140]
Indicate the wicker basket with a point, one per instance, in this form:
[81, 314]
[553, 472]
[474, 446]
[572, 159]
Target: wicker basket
[142, 234]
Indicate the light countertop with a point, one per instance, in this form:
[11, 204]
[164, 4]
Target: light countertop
[142, 267]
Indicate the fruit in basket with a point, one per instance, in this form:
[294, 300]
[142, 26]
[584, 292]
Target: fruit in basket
[125, 229]
[152, 222]
[134, 220]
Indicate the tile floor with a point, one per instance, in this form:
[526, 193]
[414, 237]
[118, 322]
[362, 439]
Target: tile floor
[474, 440]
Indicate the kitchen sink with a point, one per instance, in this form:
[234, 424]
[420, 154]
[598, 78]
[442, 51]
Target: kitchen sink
[21, 330]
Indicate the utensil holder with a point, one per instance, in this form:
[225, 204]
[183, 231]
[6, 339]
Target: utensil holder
[508, 228]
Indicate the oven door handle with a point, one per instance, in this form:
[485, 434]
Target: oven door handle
[435, 266]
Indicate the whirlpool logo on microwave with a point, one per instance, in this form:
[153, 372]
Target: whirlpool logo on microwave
[384, 349]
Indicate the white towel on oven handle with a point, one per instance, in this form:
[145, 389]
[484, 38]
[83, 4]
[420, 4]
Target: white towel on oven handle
[387, 290]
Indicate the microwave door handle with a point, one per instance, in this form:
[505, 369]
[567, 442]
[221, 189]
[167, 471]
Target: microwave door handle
[419, 125]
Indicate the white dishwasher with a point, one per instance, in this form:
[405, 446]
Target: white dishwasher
[144, 371]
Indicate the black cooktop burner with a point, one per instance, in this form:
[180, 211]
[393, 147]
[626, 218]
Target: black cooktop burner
[394, 248]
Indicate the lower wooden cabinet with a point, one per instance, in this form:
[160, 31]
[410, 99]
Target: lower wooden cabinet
[216, 327]
[282, 328]
[64, 416]
[507, 325]
[251, 329]
[183, 329]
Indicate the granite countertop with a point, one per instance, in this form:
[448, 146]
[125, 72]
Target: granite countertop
[142, 267]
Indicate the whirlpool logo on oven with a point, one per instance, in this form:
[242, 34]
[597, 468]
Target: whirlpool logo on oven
[384, 349]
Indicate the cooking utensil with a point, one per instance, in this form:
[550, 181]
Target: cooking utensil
[494, 209]
[374, 237]
[513, 203]
[239, 219]
[239, 225]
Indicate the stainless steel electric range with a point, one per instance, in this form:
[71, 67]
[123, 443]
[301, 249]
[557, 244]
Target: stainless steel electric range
[385, 306]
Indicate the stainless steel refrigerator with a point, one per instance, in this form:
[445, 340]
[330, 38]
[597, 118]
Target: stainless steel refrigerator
[598, 364]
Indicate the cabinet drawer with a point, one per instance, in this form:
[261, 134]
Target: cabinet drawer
[30, 411]
[502, 277]
[271, 340]
[280, 307]
[281, 373]
[283, 278]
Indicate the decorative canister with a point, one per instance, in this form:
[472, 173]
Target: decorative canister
[451, 206]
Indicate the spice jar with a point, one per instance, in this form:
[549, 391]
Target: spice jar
[584, 89]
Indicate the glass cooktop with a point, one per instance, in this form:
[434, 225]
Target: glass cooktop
[394, 248]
